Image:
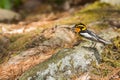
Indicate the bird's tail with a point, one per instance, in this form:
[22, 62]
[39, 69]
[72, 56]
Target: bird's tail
[104, 41]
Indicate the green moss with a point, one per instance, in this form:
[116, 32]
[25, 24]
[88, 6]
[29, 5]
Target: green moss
[97, 12]
[14, 37]
[101, 72]
[110, 59]
[110, 62]
[111, 53]
[96, 5]
[17, 44]
[18, 41]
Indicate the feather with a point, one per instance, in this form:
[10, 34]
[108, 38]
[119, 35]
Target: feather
[92, 36]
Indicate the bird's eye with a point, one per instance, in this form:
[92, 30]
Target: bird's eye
[83, 28]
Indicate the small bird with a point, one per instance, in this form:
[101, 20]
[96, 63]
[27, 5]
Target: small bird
[81, 29]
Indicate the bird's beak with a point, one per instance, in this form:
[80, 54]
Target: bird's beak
[73, 27]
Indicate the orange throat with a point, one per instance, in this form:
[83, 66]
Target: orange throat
[77, 30]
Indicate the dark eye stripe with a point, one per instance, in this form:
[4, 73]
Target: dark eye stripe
[81, 26]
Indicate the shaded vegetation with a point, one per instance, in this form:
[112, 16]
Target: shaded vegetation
[5, 4]
[9, 4]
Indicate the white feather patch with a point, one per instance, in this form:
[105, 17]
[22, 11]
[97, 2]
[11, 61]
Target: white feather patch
[86, 35]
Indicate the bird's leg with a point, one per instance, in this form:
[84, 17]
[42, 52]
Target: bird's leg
[93, 44]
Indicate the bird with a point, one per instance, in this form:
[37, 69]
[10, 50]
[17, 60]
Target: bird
[82, 30]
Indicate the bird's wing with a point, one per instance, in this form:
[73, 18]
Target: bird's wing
[91, 35]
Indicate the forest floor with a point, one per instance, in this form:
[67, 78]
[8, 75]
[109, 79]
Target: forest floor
[19, 41]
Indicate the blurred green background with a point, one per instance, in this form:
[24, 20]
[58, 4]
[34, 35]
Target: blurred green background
[9, 4]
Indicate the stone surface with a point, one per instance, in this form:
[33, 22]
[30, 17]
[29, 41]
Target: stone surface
[63, 65]
[7, 15]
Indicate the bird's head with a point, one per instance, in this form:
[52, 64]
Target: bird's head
[79, 27]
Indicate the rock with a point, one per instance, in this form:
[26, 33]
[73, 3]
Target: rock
[66, 62]
[113, 2]
[7, 15]
[4, 42]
